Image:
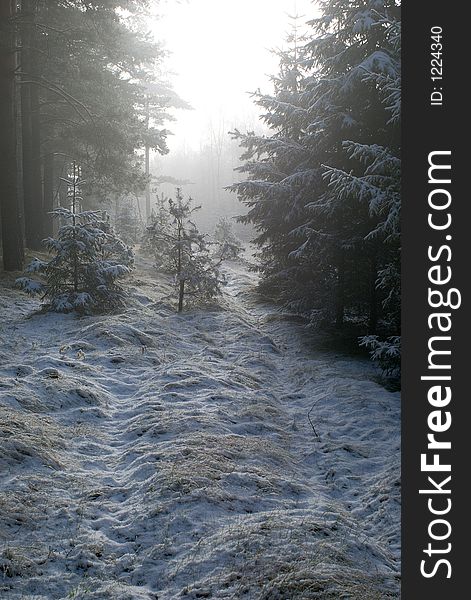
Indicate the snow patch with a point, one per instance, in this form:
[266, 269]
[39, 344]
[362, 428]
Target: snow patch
[212, 454]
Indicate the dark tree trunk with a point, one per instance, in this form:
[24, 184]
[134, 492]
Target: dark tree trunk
[74, 222]
[62, 192]
[373, 317]
[48, 227]
[31, 209]
[181, 295]
[11, 203]
[340, 300]
[27, 161]
[147, 165]
[31, 139]
[181, 291]
[36, 177]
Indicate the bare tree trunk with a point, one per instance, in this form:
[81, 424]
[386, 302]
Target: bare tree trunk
[74, 223]
[27, 147]
[11, 203]
[181, 295]
[48, 228]
[181, 291]
[36, 214]
[147, 165]
[373, 316]
[25, 90]
[32, 186]
[340, 301]
[63, 198]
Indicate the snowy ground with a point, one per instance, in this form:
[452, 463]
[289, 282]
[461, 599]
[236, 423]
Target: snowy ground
[213, 454]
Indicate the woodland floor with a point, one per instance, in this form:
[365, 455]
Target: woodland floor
[212, 454]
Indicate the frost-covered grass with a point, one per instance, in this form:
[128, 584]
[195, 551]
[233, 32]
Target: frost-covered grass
[211, 454]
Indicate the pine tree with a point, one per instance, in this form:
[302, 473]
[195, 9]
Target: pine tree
[275, 188]
[357, 52]
[87, 71]
[88, 262]
[373, 177]
[187, 253]
[154, 240]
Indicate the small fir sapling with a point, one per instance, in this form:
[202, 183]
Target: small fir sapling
[196, 270]
[155, 241]
[229, 246]
[88, 262]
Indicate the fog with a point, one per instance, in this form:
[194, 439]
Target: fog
[220, 52]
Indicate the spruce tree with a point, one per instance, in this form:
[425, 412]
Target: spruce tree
[155, 241]
[323, 186]
[357, 52]
[276, 188]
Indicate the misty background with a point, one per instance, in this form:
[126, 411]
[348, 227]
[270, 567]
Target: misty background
[220, 53]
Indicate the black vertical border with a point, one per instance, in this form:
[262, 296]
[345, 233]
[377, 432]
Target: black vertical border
[425, 129]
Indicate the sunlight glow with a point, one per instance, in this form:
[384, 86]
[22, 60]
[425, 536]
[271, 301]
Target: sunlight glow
[220, 51]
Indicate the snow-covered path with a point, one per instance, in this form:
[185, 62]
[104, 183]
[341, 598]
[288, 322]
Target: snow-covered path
[211, 454]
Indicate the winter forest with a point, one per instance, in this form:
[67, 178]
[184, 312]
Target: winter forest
[200, 299]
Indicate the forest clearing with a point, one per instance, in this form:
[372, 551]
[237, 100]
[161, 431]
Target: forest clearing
[155, 455]
[200, 333]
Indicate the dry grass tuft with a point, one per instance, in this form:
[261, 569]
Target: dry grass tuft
[28, 437]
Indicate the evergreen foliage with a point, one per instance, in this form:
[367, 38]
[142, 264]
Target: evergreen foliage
[181, 249]
[101, 98]
[323, 186]
[88, 262]
[229, 246]
[127, 222]
[385, 352]
[154, 240]
[93, 91]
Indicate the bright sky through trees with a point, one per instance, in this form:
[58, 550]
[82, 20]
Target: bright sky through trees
[219, 52]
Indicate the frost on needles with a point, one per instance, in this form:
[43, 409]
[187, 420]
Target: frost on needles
[322, 184]
[87, 266]
[182, 250]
